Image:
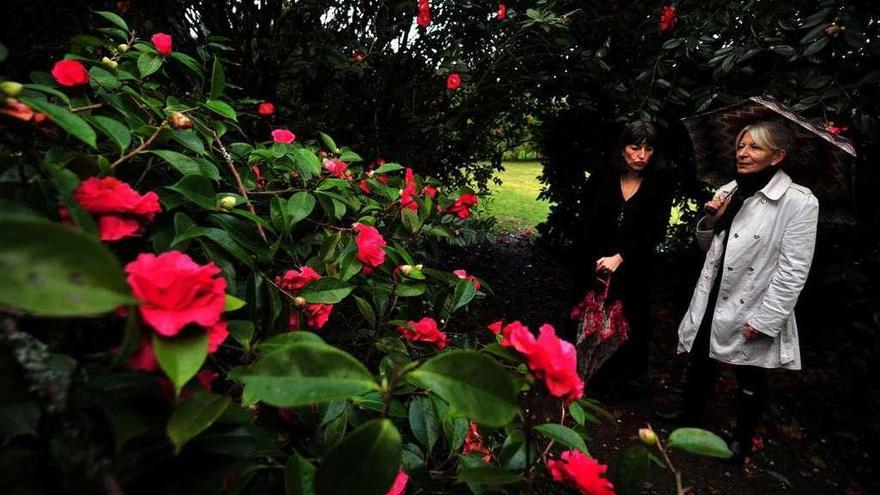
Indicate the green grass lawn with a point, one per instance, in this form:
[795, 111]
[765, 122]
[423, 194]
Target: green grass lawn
[515, 202]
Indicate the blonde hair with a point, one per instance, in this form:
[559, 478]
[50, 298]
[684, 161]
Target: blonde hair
[768, 134]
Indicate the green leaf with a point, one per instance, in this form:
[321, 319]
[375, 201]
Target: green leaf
[104, 77]
[368, 459]
[465, 290]
[148, 63]
[181, 356]
[366, 311]
[187, 61]
[50, 270]
[299, 475]
[233, 303]
[186, 165]
[221, 108]
[629, 470]
[288, 339]
[194, 416]
[115, 19]
[329, 143]
[328, 290]
[410, 220]
[577, 412]
[388, 167]
[410, 290]
[218, 80]
[300, 206]
[562, 434]
[197, 189]
[423, 422]
[306, 373]
[190, 140]
[307, 163]
[242, 331]
[278, 214]
[115, 130]
[698, 441]
[49, 90]
[350, 157]
[67, 120]
[474, 385]
[488, 475]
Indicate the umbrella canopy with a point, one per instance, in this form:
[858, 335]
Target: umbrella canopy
[821, 161]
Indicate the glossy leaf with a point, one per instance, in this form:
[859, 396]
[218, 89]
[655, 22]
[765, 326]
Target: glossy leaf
[698, 441]
[115, 19]
[299, 475]
[115, 130]
[630, 470]
[64, 118]
[50, 270]
[221, 108]
[300, 206]
[194, 415]
[423, 422]
[148, 63]
[474, 385]
[181, 356]
[218, 80]
[563, 435]
[328, 290]
[368, 459]
[306, 373]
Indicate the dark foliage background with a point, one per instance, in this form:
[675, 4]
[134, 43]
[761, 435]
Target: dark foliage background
[568, 73]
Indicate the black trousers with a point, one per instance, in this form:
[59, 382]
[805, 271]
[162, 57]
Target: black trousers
[702, 372]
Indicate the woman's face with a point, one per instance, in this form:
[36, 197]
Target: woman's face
[752, 157]
[638, 156]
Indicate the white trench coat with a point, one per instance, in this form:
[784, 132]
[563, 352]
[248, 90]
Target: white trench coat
[766, 265]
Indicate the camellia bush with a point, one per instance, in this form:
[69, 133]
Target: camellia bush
[184, 309]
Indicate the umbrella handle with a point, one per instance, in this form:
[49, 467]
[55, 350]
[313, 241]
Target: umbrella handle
[607, 283]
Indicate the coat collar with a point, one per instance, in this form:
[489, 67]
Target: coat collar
[777, 186]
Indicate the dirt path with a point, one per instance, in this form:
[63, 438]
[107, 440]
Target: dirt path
[798, 449]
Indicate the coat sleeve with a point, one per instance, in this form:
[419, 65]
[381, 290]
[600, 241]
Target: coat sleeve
[795, 258]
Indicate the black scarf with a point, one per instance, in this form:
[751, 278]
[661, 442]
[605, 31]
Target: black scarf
[746, 186]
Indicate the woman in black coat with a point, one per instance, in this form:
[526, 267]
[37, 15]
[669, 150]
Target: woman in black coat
[625, 215]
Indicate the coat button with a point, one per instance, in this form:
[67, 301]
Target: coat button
[736, 236]
[751, 269]
[724, 297]
[757, 236]
[763, 201]
[730, 268]
[742, 301]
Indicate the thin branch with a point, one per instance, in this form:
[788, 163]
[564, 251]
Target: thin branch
[238, 181]
[273, 193]
[679, 488]
[87, 107]
[144, 145]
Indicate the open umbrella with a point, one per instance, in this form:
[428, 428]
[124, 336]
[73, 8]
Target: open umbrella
[821, 161]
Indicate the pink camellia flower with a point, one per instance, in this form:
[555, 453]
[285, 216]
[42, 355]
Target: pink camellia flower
[578, 471]
[424, 17]
[17, 110]
[175, 291]
[506, 330]
[70, 73]
[551, 359]
[462, 205]
[425, 330]
[502, 11]
[473, 443]
[120, 210]
[358, 56]
[293, 282]
[296, 280]
[430, 191]
[463, 275]
[667, 19]
[336, 167]
[265, 109]
[365, 187]
[409, 191]
[453, 81]
[261, 182]
[399, 486]
[369, 245]
[162, 43]
[144, 357]
[283, 136]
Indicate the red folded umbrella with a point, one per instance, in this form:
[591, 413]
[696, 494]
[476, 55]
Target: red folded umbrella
[602, 329]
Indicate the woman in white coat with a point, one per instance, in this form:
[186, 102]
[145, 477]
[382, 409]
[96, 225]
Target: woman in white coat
[759, 232]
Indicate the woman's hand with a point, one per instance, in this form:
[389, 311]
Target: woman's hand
[750, 333]
[714, 209]
[608, 264]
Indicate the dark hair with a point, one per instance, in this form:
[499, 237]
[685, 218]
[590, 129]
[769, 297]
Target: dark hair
[638, 132]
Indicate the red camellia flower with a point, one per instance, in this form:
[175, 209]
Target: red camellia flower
[667, 19]
[336, 167]
[369, 246]
[265, 109]
[121, 211]
[175, 291]
[474, 443]
[358, 56]
[462, 205]
[430, 191]
[453, 81]
[283, 136]
[550, 359]
[365, 187]
[578, 471]
[834, 129]
[261, 182]
[162, 43]
[294, 281]
[425, 330]
[70, 73]
[17, 110]
[424, 17]
[502, 11]
[409, 191]
[144, 357]
[464, 276]
[399, 486]
[506, 331]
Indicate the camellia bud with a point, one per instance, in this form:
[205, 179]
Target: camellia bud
[419, 266]
[299, 302]
[180, 121]
[227, 202]
[406, 270]
[11, 88]
[647, 436]
[109, 63]
[122, 47]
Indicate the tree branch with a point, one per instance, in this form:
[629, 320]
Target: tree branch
[144, 145]
[238, 181]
